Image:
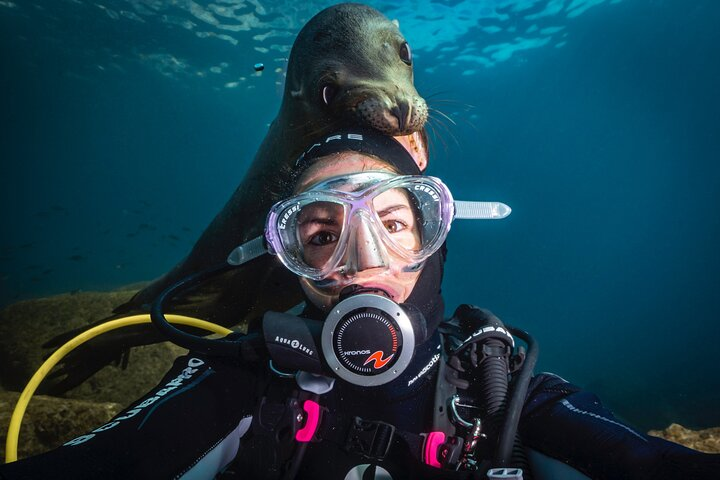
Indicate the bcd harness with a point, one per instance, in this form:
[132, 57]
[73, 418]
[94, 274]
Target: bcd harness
[471, 410]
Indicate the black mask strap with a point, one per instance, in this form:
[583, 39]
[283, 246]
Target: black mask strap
[370, 142]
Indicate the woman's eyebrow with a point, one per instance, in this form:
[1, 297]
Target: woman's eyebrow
[321, 221]
[391, 208]
[322, 218]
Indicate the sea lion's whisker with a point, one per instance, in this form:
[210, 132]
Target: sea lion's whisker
[436, 132]
[461, 119]
[471, 124]
[431, 139]
[452, 101]
[441, 92]
[437, 115]
[465, 106]
[435, 110]
[445, 126]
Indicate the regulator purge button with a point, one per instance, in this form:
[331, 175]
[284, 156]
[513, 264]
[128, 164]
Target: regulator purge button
[368, 340]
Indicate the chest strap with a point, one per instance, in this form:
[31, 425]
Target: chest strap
[373, 439]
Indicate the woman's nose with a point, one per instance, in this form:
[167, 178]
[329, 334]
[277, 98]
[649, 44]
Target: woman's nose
[365, 250]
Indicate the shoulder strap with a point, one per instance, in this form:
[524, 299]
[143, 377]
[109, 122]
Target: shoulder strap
[271, 451]
[444, 389]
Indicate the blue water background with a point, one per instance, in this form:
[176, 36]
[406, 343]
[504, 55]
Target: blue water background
[126, 125]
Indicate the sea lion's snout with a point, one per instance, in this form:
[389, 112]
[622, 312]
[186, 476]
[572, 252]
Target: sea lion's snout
[393, 116]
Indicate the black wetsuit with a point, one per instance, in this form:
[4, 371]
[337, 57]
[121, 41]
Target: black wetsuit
[197, 424]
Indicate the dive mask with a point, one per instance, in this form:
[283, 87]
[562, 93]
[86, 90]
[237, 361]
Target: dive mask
[363, 220]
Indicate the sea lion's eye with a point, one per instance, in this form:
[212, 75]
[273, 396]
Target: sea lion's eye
[405, 53]
[328, 93]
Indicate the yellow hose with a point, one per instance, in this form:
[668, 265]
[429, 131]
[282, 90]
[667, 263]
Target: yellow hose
[17, 416]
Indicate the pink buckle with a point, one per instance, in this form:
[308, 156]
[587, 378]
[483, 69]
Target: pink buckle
[432, 443]
[312, 418]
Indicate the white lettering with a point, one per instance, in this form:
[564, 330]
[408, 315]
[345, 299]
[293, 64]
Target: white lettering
[286, 216]
[429, 191]
[173, 384]
[300, 159]
[425, 369]
[357, 352]
[195, 362]
[129, 414]
[294, 343]
[165, 391]
[148, 402]
[490, 329]
[79, 440]
[107, 426]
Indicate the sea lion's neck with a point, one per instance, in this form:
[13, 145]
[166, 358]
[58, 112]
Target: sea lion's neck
[296, 126]
[288, 136]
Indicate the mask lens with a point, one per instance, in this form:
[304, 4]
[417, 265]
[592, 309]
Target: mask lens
[310, 232]
[412, 217]
[400, 219]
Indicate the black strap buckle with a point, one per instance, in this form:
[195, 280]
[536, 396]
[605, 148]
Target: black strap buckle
[371, 439]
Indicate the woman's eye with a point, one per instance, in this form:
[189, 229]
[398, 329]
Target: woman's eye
[322, 238]
[394, 226]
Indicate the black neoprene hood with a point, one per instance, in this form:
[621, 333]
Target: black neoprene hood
[361, 140]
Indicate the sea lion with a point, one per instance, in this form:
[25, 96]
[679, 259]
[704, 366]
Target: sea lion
[348, 66]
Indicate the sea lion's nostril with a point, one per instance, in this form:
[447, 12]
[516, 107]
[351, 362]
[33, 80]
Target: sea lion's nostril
[402, 113]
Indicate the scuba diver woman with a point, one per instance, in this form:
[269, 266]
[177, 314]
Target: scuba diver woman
[368, 381]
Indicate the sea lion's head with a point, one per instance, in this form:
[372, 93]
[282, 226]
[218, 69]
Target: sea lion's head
[351, 65]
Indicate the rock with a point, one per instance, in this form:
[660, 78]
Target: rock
[49, 422]
[26, 325]
[707, 440]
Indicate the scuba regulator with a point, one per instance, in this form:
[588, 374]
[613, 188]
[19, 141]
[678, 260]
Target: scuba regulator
[366, 339]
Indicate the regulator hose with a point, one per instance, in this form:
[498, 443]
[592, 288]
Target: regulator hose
[248, 347]
[490, 356]
[32, 385]
[493, 378]
[522, 380]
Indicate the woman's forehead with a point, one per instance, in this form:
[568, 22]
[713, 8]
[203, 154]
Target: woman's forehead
[339, 164]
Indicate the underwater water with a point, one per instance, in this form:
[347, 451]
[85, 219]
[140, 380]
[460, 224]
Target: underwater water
[126, 126]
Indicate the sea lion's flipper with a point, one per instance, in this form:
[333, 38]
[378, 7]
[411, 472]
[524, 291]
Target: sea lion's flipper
[235, 298]
[87, 359]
